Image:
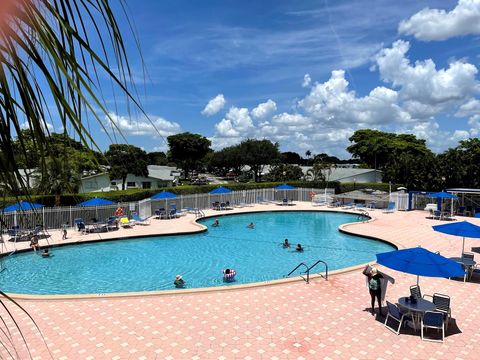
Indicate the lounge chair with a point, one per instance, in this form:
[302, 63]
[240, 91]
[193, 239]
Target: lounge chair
[126, 223]
[139, 221]
[390, 208]
[347, 206]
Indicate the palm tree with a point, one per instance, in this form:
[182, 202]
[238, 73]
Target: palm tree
[47, 56]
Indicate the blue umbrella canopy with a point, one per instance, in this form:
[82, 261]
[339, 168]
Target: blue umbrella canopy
[442, 195]
[22, 205]
[285, 187]
[220, 190]
[461, 228]
[164, 195]
[96, 202]
[419, 261]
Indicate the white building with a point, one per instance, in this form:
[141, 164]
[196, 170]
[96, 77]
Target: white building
[158, 176]
[349, 175]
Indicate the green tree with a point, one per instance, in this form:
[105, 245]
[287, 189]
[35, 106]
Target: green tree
[290, 157]
[284, 172]
[459, 166]
[126, 159]
[50, 69]
[157, 158]
[316, 173]
[257, 154]
[187, 150]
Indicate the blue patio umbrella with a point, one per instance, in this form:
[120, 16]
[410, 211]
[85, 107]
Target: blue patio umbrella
[220, 190]
[164, 195]
[285, 187]
[96, 202]
[461, 228]
[440, 196]
[419, 261]
[22, 206]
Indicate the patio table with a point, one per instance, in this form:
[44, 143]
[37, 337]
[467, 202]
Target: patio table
[417, 310]
[469, 264]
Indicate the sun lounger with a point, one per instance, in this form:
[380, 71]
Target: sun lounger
[126, 223]
[139, 221]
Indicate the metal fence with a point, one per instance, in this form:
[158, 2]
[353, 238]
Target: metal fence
[56, 217]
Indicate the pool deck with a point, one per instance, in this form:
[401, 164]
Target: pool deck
[292, 320]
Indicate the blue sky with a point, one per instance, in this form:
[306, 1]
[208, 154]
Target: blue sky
[304, 73]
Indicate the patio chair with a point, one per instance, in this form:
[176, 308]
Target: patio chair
[347, 206]
[284, 202]
[415, 291]
[390, 208]
[111, 224]
[139, 221]
[437, 215]
[432, 320]
[471, 256]
[461, 211]
[395, 314]
[442, 303]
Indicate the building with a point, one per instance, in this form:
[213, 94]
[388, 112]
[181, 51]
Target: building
[158, 176]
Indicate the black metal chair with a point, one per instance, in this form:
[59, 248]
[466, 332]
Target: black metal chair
[432, 320]
[395, 314]
[415, 291]
[442, 303]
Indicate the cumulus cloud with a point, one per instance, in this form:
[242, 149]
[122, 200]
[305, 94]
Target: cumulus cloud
[306, 80]
[438, 24]
[236, 122]
[264, 109]
[214, 105]
[156, 126]
[421, 81]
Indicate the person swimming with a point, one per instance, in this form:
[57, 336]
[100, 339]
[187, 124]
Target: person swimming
[299, 248]
[286, 244]
[229, 274]
[45, 253]
[216, 223]
[251, 225]
[179, 282]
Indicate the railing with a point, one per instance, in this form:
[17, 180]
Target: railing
[56, 217]
[307, 272]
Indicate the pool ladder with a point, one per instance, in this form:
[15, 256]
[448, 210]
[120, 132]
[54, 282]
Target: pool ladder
[308, 269]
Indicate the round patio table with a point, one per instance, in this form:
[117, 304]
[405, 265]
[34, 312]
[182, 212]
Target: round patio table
[418, 309]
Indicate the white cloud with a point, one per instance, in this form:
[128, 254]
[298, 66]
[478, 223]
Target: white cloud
[237, 122]
[422, 82]
[471, 107]
[264, 109]
[437, 24]
[474, 123]
[214, 105]
[306, 80]
[156, 126]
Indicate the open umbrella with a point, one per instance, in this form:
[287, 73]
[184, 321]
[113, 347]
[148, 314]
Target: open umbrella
[285, 187]
[96, 202]
[164, 195]
[419, 261]
[22, 206]
[220, 190]
[461, 228]
[440, 196]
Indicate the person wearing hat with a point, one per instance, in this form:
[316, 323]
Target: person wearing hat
[179, 282]
[374, 286]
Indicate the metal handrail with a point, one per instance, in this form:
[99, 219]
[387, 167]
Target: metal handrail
[296, 267]
[311, 267]
[308, 270]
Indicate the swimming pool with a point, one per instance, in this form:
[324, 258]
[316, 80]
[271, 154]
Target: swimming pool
[148, 264]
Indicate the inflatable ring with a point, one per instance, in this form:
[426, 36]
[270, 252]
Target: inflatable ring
[119, 212]
[312, 194]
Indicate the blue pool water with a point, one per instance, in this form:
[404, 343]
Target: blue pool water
[146, 264]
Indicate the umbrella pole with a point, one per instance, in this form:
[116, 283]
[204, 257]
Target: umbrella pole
[463, 246]
[418, 278]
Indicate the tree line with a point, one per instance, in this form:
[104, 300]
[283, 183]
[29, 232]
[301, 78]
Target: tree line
[402, 158]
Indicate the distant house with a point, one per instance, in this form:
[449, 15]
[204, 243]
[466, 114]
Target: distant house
[158, 176]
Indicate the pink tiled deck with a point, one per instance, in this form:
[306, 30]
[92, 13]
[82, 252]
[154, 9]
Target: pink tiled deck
[320, 320]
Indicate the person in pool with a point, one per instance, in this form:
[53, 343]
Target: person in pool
[179, 282]
[286, 244]
[299, 248]
[216, 223]
[45, 253]
[251, 225]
